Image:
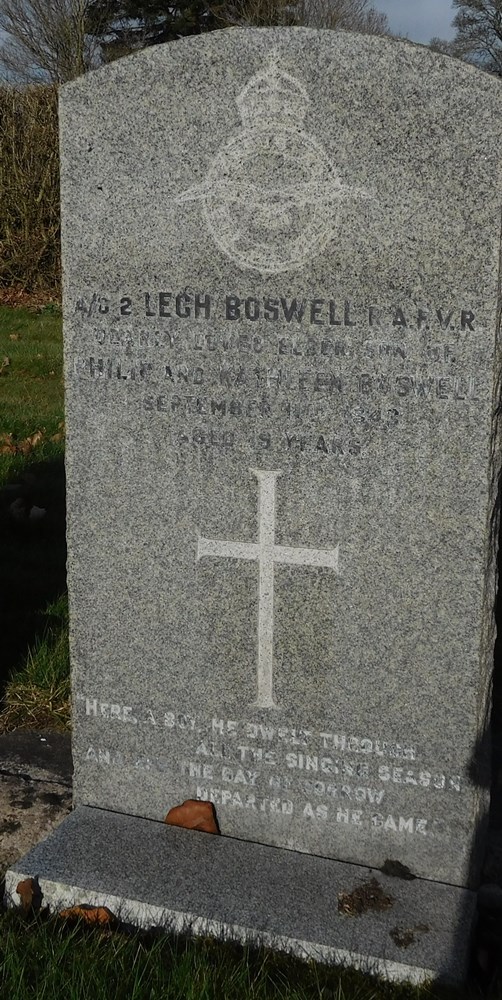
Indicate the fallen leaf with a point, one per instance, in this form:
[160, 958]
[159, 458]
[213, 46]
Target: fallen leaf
[99, 916]
[35, 438]
[7, 445]
[194, 815]
[13, 336]
[19, 297]
[4, 364]
[27, 444]
[58, 437]
[30, 893]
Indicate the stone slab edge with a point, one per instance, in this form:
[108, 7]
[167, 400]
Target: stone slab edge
[212, 880]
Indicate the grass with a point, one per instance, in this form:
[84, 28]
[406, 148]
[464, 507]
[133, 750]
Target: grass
[32, 512]
[38, 695]
[48, 958]
[31, 389]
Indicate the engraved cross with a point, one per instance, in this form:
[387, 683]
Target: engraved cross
[265, 552]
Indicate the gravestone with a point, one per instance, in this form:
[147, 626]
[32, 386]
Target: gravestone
[281, 257]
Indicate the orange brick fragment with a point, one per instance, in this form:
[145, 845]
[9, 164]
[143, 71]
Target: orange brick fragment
[99, 916]
[194, 815]
[30, 893]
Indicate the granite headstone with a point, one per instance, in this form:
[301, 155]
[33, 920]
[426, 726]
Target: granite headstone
[281, 260]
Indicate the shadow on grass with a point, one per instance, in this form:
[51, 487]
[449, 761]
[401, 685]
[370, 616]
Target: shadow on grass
[44, 955]
[32, 555]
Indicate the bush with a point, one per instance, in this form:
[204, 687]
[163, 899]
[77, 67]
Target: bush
[29, 189]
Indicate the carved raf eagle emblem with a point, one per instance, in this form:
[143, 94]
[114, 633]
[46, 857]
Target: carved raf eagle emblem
[271, 195]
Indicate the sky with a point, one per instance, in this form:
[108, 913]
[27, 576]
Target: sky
[418, 20]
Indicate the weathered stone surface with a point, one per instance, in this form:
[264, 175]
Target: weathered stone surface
[281, 254]
[148, 874]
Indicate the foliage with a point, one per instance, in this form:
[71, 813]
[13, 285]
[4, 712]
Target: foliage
[29, 188]
[38, 696]
[348, 15]
[47, 41]
[444, 46]
[60, 40]
[48, 958]
[478, 37]
[135, 24]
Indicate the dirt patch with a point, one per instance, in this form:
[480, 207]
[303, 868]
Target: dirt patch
[365, 897]
[42, 756]
[29, 810]
[9, 825]
[52, 798]
[23, 795]
[397, 870]
[404, 936]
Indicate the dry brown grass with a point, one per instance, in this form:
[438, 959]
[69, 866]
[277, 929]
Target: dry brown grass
[29, 190]
[26, 706]
[38, 695]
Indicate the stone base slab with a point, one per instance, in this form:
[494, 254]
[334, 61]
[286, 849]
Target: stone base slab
[150, 874]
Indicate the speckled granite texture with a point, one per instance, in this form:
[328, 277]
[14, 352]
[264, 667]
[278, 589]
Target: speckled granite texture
[281, 255]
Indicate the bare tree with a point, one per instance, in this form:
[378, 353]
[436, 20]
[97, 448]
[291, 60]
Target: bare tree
[137, 24]
[58, 40]
[443, 45]
[253, 13]
[47, 40]
[478, 38]
[352, 15]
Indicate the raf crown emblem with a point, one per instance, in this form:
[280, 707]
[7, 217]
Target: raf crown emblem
[271, 195]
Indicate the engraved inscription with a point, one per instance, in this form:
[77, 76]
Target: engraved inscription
[325, 377]
[319, 775]
[294, 310]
